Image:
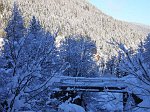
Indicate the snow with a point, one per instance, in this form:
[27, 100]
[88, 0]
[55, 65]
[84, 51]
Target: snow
[90, 82]
[68, 107]
[33, 66]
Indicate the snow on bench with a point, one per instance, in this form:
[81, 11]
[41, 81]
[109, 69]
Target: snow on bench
[90, 84]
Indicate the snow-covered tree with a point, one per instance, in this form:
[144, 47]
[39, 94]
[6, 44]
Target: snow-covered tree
[15, 29]
[36, 62]
[13, 41]
[146, 50]
[78, 52]
[15, 33]
[137, 70]
[110, 65]
[24, 60]
[35, 26]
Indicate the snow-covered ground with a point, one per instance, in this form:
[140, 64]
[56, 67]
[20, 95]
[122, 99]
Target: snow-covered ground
[68, 107]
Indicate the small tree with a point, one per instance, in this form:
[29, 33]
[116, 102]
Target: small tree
[34, 27]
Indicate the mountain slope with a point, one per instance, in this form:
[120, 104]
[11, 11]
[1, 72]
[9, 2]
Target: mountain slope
[78, 17]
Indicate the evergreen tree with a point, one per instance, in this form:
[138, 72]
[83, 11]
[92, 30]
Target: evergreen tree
[35, 26]
[15, 33]
[15, 29]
